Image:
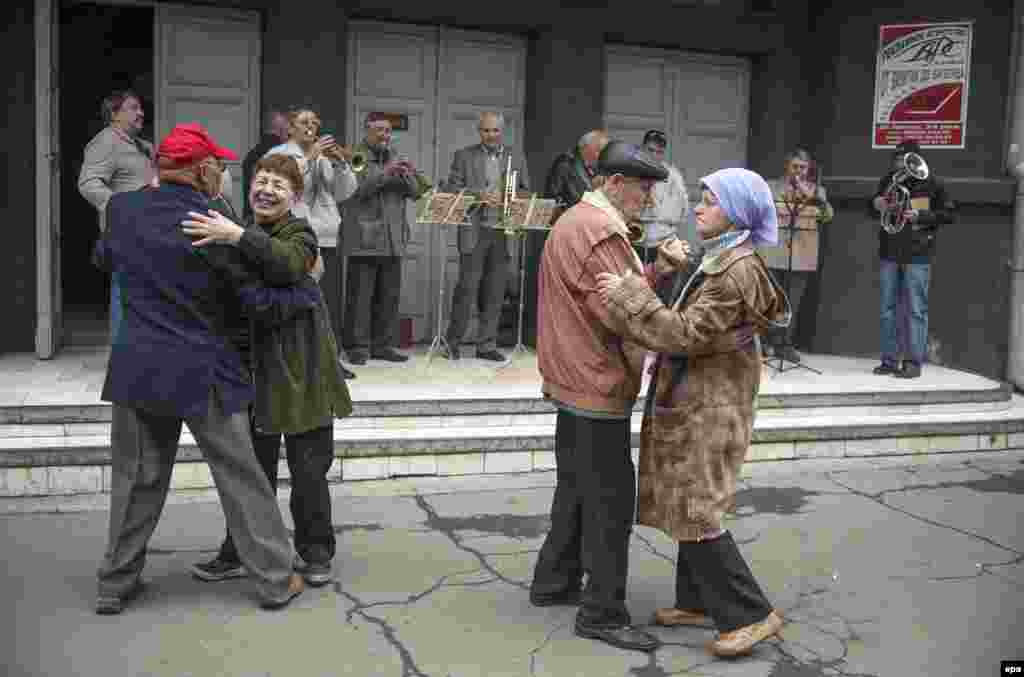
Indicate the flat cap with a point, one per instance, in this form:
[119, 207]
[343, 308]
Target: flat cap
[631, 160]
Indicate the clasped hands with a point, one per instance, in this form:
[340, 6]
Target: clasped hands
[215, 228]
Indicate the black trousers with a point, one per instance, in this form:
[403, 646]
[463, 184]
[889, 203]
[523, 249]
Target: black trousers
[332, 288]
[712, 576]
[310, 455]
[374, 292]
[795, 284]
[591, 517]
[483, 273]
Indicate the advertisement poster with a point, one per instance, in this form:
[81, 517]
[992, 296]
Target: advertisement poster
[921, 84]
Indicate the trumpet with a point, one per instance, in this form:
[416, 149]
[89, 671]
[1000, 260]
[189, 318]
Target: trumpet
[510, 190]
[897, 195]
[355, 159]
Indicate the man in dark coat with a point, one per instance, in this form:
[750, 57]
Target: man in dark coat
[905, 266]
[173, 361]
[274, 134]
[570, 176]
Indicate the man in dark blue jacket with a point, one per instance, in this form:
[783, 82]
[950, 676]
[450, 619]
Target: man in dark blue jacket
[173, 361]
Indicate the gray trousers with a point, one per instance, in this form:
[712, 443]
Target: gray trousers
[374, 292]
[797, 286]
[483, 273]
[143, 447]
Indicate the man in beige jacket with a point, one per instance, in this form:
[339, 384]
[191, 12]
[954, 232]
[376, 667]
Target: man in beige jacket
[116, 160]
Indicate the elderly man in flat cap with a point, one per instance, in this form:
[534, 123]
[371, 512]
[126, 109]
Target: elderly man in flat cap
[589, 378]
[175, 362]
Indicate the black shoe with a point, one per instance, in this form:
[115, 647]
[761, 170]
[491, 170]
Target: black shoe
[453, 353]
[622, 636]
[111, 604]
[492, 355]
[389, 355]
[909, 370]
[316, 574]
[218, 569]
[346, 374]
[885, 369]
[357, 358]
[569, 597]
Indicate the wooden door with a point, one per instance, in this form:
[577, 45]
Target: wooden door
[393, 69]
[479, 72]
[207, 71]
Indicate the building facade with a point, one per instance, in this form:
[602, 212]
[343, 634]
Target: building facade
[732, 82]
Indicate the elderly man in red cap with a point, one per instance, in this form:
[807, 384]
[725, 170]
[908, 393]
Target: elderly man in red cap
[174, 361]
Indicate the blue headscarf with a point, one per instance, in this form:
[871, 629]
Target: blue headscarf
[747, 201]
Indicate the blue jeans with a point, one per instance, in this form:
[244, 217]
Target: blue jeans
[116, 312]
[908, 281]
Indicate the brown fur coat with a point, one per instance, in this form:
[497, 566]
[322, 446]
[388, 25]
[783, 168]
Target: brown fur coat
[698, 423]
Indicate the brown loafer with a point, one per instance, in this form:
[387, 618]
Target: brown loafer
[295, 588]
[671, 617]
[742, 640]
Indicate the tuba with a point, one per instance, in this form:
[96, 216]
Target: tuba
[897, 195]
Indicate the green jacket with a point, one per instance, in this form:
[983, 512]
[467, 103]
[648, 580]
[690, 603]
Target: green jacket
[299, 385]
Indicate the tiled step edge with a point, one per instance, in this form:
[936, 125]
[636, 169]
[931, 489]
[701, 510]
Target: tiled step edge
[100, 413]
[839, 432]
[191, 473]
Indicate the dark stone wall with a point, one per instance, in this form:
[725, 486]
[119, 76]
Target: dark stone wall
[968, 302]
[305, 59]
[969, 299]
[17, 189]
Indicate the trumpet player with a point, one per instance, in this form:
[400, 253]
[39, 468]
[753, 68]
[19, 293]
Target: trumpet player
[906, 256]
[327, 180]
[483, 249]
[795, 266]
[375, 240]
[666, 217]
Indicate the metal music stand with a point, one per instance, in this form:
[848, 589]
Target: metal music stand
[537, 214]
[794, 211]
[452, 214]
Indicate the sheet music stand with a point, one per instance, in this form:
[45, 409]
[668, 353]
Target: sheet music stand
[443, 209]
[527, 213]
[802, 216]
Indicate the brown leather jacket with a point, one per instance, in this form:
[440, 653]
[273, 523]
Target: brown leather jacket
[581, 356]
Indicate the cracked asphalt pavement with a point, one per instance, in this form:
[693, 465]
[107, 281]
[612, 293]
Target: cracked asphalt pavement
[898, 566]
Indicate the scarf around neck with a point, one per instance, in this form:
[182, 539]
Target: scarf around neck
[717, 246]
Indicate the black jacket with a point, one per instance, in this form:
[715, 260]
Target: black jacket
[567, 180]
[917, 240]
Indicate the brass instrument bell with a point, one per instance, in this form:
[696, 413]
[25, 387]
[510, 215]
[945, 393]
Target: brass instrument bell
[897, 195]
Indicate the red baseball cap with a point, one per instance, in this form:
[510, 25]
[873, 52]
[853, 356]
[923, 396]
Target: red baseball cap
[189, 143]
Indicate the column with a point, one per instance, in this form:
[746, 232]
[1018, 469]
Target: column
[1015, 358]
[564, 100]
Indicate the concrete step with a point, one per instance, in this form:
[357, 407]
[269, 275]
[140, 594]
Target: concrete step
[72, 458]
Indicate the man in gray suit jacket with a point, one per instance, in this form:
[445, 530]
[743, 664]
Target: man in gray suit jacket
[483, 250]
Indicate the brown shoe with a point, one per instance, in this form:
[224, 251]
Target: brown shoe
[295, 588]
[742, 641]
[671, 617]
